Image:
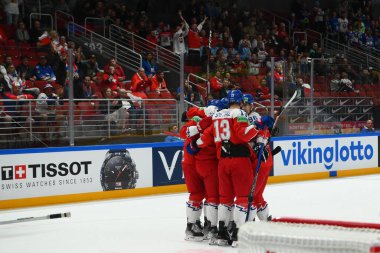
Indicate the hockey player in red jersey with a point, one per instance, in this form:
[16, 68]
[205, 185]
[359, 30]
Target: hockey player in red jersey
[231, 133]
[200, 171]
[266, 160]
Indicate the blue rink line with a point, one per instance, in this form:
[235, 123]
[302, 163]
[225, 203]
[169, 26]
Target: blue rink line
[87, 148]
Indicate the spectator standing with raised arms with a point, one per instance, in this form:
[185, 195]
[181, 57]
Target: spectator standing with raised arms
[195, 43]
[179, 36]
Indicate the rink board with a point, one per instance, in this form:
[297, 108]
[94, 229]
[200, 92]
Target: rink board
[33, 177]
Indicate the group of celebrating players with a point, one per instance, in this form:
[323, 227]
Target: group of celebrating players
[221, 155]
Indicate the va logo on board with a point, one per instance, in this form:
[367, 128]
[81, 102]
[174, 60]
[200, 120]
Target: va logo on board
[167, 168]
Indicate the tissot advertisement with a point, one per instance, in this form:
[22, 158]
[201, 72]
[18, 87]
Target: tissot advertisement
[56, 173]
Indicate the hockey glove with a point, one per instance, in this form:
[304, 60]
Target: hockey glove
[265, 121]
[192, 148]
[264, 155]
[274, 131]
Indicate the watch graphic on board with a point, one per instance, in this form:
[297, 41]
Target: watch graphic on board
[118, 171]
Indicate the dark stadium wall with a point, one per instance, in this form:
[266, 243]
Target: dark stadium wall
[170, 8]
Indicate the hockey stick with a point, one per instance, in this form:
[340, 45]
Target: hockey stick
[253, 186]
[283, 109]
[261, 105]
[47, 217]
[277, 149]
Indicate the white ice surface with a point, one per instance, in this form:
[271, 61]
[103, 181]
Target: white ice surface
[157, 223]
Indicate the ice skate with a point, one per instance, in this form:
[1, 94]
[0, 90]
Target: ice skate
[206, 229]
[223, 236]
[212, 236]
[194, 232]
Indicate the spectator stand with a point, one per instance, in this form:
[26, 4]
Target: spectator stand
[100, 45]
[165, 59]
[24, 128]
[47, 20]
[200, 87]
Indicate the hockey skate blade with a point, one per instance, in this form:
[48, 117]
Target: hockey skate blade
[213, 241]
[222, 242]
[234, 244]
[193, 238]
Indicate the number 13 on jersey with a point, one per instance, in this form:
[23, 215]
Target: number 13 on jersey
[222, 130]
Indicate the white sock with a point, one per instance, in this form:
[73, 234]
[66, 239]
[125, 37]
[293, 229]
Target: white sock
[224, 213]
[211, 211]
[193, 211]
[263, 213]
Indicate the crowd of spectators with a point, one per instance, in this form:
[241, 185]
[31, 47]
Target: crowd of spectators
[230, 47]
[48, 79]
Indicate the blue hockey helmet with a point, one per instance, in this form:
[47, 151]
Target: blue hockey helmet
[214, 102]
[223, 103]
[248, 99]
[235, 96]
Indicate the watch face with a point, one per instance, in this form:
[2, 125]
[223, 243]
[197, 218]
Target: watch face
[118, 172]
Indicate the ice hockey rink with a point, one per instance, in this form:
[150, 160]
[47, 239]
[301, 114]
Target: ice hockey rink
[157, 223]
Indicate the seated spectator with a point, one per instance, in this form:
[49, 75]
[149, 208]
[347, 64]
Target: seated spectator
[118, 69]
[346, 84]
[188, 90]
[173, 135]
[36, 31]
[315, 52]
[43, 71]
[22, 34]
[7, 61]
[12, 75]
[153, 38]
[109, 108]
[61, 48]
[261, 52]
[25, 71]
[47, 113]
[335, 83]
[158, 83]
[216, 82]
[238, 66]
[14, 103]
[132, 105]
[245, 51]
[90, 68]
[139, 83]
[89, 89]
[253, 66]
[278, 74]
[111, 79]
[225, 88]
[368, 128]
[375, 74]
[299, 87]
[365, 77]
[150, 66]
[209, 64]
[196, 99]
[221, 64]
